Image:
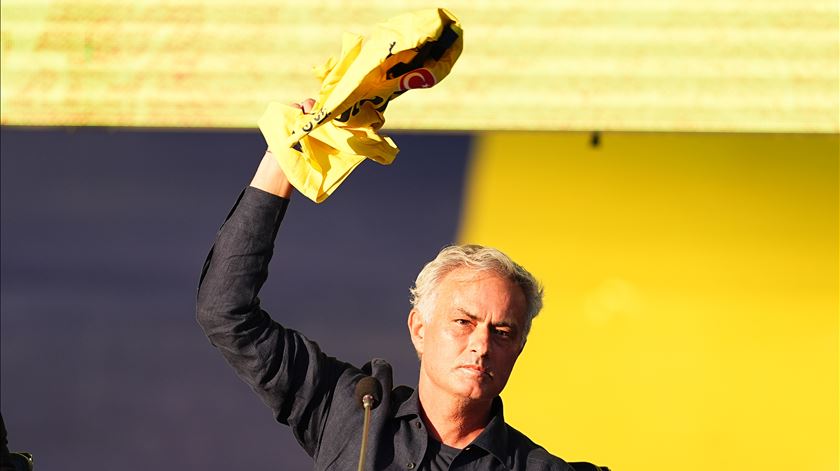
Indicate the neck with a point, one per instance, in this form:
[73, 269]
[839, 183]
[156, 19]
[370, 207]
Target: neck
[451, 420]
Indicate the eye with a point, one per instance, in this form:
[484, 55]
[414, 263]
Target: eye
[502, 333]
[462, 321]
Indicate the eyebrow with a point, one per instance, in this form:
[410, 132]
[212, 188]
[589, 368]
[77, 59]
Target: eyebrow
[475, 318]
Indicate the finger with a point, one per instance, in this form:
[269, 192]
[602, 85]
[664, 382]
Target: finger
[307, 105]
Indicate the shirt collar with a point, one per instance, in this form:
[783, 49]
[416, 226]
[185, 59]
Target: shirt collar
[408, 404]
[493, 439]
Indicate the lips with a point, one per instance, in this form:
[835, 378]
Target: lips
[477, 370]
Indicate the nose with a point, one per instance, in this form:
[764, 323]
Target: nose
[480, 341]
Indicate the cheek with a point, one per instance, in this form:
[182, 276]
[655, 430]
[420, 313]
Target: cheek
[439, 340]
[452, 332]
[448, 345]
[507, 356]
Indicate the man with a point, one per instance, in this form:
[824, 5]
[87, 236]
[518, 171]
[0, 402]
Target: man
[472, 309]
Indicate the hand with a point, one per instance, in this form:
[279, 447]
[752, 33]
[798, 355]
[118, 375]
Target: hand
[305, 106]
[269, 176]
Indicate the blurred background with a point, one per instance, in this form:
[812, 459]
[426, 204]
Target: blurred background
[669, 169]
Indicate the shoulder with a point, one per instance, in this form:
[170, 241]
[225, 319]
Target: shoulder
[533, 456]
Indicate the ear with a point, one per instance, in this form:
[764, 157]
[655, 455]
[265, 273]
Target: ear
[417, 329]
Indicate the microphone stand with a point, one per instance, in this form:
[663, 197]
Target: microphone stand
[367, 403]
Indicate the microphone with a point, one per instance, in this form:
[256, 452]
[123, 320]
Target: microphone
[368, 386]
[369, 395]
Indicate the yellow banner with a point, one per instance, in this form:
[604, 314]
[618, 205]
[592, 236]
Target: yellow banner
[766, 66]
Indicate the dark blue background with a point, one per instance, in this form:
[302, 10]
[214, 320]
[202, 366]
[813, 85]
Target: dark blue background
[103, 236]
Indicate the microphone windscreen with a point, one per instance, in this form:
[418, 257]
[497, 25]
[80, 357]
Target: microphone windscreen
[368, 385]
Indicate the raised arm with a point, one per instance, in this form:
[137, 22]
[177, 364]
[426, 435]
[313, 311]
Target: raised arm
[288, 371]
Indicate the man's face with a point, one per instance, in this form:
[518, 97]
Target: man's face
[473, 335]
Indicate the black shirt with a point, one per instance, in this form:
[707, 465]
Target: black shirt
[313, 393]
[439, 456]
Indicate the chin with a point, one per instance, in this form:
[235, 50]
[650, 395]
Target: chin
[474, 392]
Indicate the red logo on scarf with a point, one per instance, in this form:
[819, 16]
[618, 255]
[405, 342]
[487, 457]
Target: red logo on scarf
[417, 78]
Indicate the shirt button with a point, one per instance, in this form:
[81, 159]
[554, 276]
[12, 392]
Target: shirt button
[419, 425]
[410, 465]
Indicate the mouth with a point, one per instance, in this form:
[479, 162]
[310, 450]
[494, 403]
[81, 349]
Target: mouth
[477, 371]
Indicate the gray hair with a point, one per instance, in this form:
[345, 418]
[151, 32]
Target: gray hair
[478, 258]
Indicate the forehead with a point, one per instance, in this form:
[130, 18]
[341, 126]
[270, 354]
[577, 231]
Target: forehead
[484, 292]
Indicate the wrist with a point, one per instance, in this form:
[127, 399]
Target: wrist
[270, 178]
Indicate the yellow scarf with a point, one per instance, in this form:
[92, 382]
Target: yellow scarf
[317, 151]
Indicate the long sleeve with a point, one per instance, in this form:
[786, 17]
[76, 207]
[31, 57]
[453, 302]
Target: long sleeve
[288, 371]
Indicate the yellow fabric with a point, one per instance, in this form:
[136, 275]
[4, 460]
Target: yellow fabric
[342, 129]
